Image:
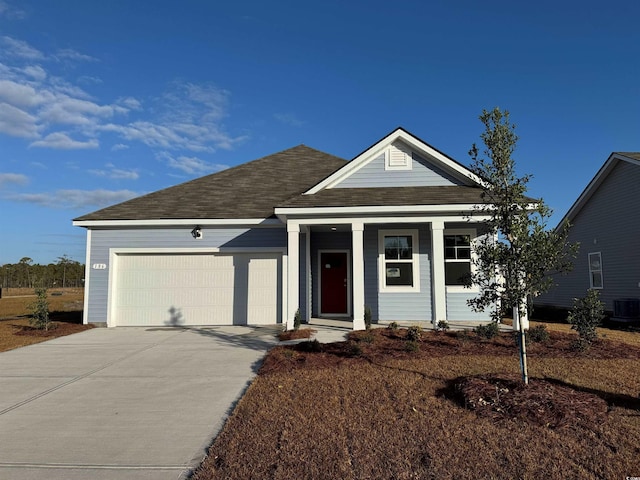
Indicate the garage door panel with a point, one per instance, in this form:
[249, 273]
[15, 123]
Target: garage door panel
[196, 289]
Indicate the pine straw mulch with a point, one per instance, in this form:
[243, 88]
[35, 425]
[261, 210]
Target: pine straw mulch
[372, 408]
[384, 344]
[299, 334]
[18, 332]
[541, 402]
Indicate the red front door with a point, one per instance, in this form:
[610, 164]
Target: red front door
[333, 283]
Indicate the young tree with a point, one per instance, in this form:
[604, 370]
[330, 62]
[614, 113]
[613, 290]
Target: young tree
[518, 254]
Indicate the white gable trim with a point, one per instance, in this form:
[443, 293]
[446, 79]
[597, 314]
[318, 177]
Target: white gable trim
[422, 149]
[594, 184]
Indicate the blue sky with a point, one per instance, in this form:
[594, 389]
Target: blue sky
[103, 101]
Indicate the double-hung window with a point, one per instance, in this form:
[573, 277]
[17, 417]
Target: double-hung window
[595, 270]
[457, 258]
[398, 252]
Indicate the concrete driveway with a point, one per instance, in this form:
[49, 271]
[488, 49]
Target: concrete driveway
[123, 403]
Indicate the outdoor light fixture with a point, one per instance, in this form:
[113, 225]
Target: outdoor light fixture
[196, 232]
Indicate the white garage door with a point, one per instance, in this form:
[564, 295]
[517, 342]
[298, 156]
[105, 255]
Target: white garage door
[196, 289]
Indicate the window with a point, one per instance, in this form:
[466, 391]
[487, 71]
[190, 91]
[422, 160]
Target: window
[595, 270]
[457, 259]
[398, 251]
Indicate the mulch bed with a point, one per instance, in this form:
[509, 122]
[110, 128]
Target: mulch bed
[384, 344]
[542, 402]
[57, 329]
[299, 334]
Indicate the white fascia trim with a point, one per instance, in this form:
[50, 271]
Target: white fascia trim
[266, 222]
[593, 185]
[203, 250]
[391, 219]
[378, 148]
[400, 209]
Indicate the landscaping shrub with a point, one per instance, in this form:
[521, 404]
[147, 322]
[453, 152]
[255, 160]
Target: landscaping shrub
[393, 326]
[537, 334]
[442, 326]
[412, 346]
[313, 346]
[40, 310]
[586, 315]
[367, 317]
[488, 331]
[414, 333]
[355, 350]
[463, 336]
[297, 320]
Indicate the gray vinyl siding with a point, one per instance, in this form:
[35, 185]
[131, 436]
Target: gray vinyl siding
[422, 173]
[403, 306]
[104, 239]
[458, 310]
[609, 223]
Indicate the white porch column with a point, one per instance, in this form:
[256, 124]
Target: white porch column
[438, 288]
[293, 272]
[357, 241]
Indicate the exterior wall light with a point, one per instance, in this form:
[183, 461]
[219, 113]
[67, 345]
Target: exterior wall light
[196, 232]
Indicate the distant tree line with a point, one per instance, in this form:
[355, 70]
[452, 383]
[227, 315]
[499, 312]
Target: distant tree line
[25, 274]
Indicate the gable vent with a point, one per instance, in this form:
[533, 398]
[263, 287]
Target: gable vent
[398, 158]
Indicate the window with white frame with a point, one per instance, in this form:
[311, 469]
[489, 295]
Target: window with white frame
[595, 270]
[457, 258]
[398, 252]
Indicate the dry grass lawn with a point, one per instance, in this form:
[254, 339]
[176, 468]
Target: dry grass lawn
[65, 306]
[372, 409]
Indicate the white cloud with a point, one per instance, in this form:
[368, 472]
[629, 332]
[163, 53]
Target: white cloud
[73, 199]
[11, 12]
[289, 119]
[116, 173]
[37, 104]
[130, 102]
[20, 49]
[119, 146]
[74, 55]
[190, 165]
[61, 141]
[17, 123]
[89, 80]
[13, 178]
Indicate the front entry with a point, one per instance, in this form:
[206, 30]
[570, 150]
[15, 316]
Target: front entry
[334, 283]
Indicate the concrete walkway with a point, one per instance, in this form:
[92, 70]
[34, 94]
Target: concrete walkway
[125, 403]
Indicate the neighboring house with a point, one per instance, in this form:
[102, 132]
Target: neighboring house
[605, 220]
[299, 230]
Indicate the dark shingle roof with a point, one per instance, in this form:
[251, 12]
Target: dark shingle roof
[250, 190]
[389, 196]
[634, 155]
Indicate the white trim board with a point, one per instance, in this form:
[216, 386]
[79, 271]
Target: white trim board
[421, 148]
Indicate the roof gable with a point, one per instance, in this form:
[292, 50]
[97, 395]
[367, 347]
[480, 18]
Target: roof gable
[632, 158]
[248, 191]
[392, 159]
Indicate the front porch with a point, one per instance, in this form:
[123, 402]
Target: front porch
[394, 266]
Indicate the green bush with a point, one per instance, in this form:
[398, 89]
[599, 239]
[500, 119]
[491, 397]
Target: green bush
[412, 346]
[367, 317]
[488, 331]
[40, 310]
[537, 334]
[414, 333]
[313, 346]
[355, 350]
[442, 325]
[586, 315]
[393, 326]
[297, 320]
